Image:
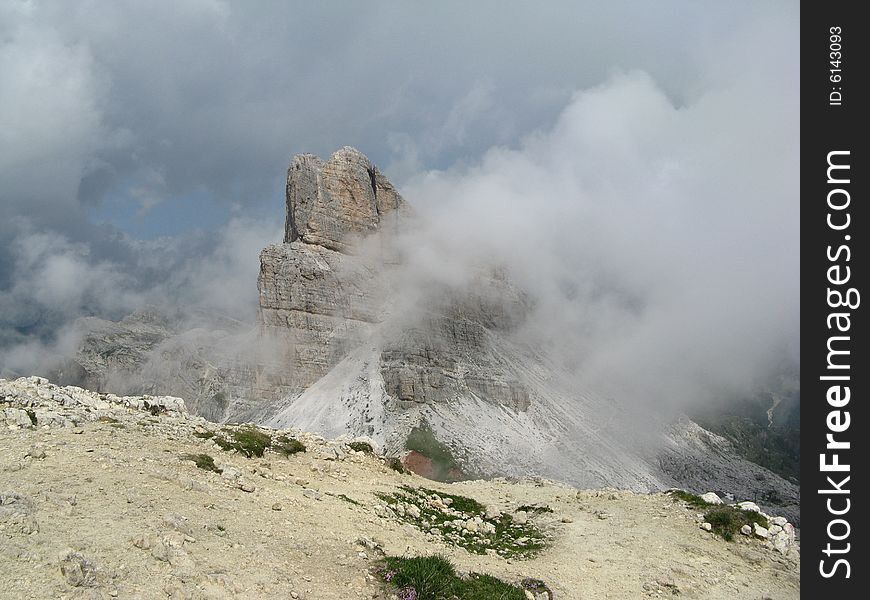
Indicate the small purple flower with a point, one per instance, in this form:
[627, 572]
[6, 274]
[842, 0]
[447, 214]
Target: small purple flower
[407, 593]
[388, 576]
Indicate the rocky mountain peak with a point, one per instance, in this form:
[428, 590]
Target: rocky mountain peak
[347, 343]
[334, 202]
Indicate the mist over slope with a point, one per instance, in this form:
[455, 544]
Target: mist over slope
[356, 334]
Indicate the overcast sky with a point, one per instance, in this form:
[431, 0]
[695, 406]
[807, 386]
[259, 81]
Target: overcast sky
[143, 145]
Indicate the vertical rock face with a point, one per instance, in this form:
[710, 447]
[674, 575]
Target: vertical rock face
[317, 300]
[334, 203]
[323, 299]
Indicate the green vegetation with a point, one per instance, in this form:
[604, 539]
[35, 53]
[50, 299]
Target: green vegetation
[460, 503]
[501, 534]
[693, 500]
[744, 422]
[444, 465]
[203, 461]
[350, 500]
[395, 463]
[727, 520]
[361, 447]
[435, 578]
[154, 409]
[287, 446]
[250, 441]
[538, 510]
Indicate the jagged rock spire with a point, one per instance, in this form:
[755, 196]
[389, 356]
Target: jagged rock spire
[329, 203]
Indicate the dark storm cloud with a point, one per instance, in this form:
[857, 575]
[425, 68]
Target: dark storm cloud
[122, 121]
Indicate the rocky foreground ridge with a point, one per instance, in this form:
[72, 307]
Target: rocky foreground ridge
[105, 496]
[350, 340]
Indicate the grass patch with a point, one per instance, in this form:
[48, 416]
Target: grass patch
[502, 535]
[203, 461]
[287, 446]
[350, 500]
[693, 500]
[251, 442]
[395, 463]
[444, 465]
[435, 578]
[154, 409]
[361, 447]
[462, 504]
[534, 509]
[727, 520]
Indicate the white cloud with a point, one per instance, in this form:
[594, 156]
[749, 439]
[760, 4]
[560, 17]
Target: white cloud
[654, 209]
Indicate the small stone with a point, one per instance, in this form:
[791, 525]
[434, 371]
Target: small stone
[706, 526]
[78, 570]
[309, 493]
[746, 530]
[781, 521]
[760, 531]
[749, 506]
[36, 452]
[277, 506]
[711, 498]
[782, 542]
[492, 513]
[567, 520]
[178, 523]
[247, 487]
[521, 517]
[230, 473]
